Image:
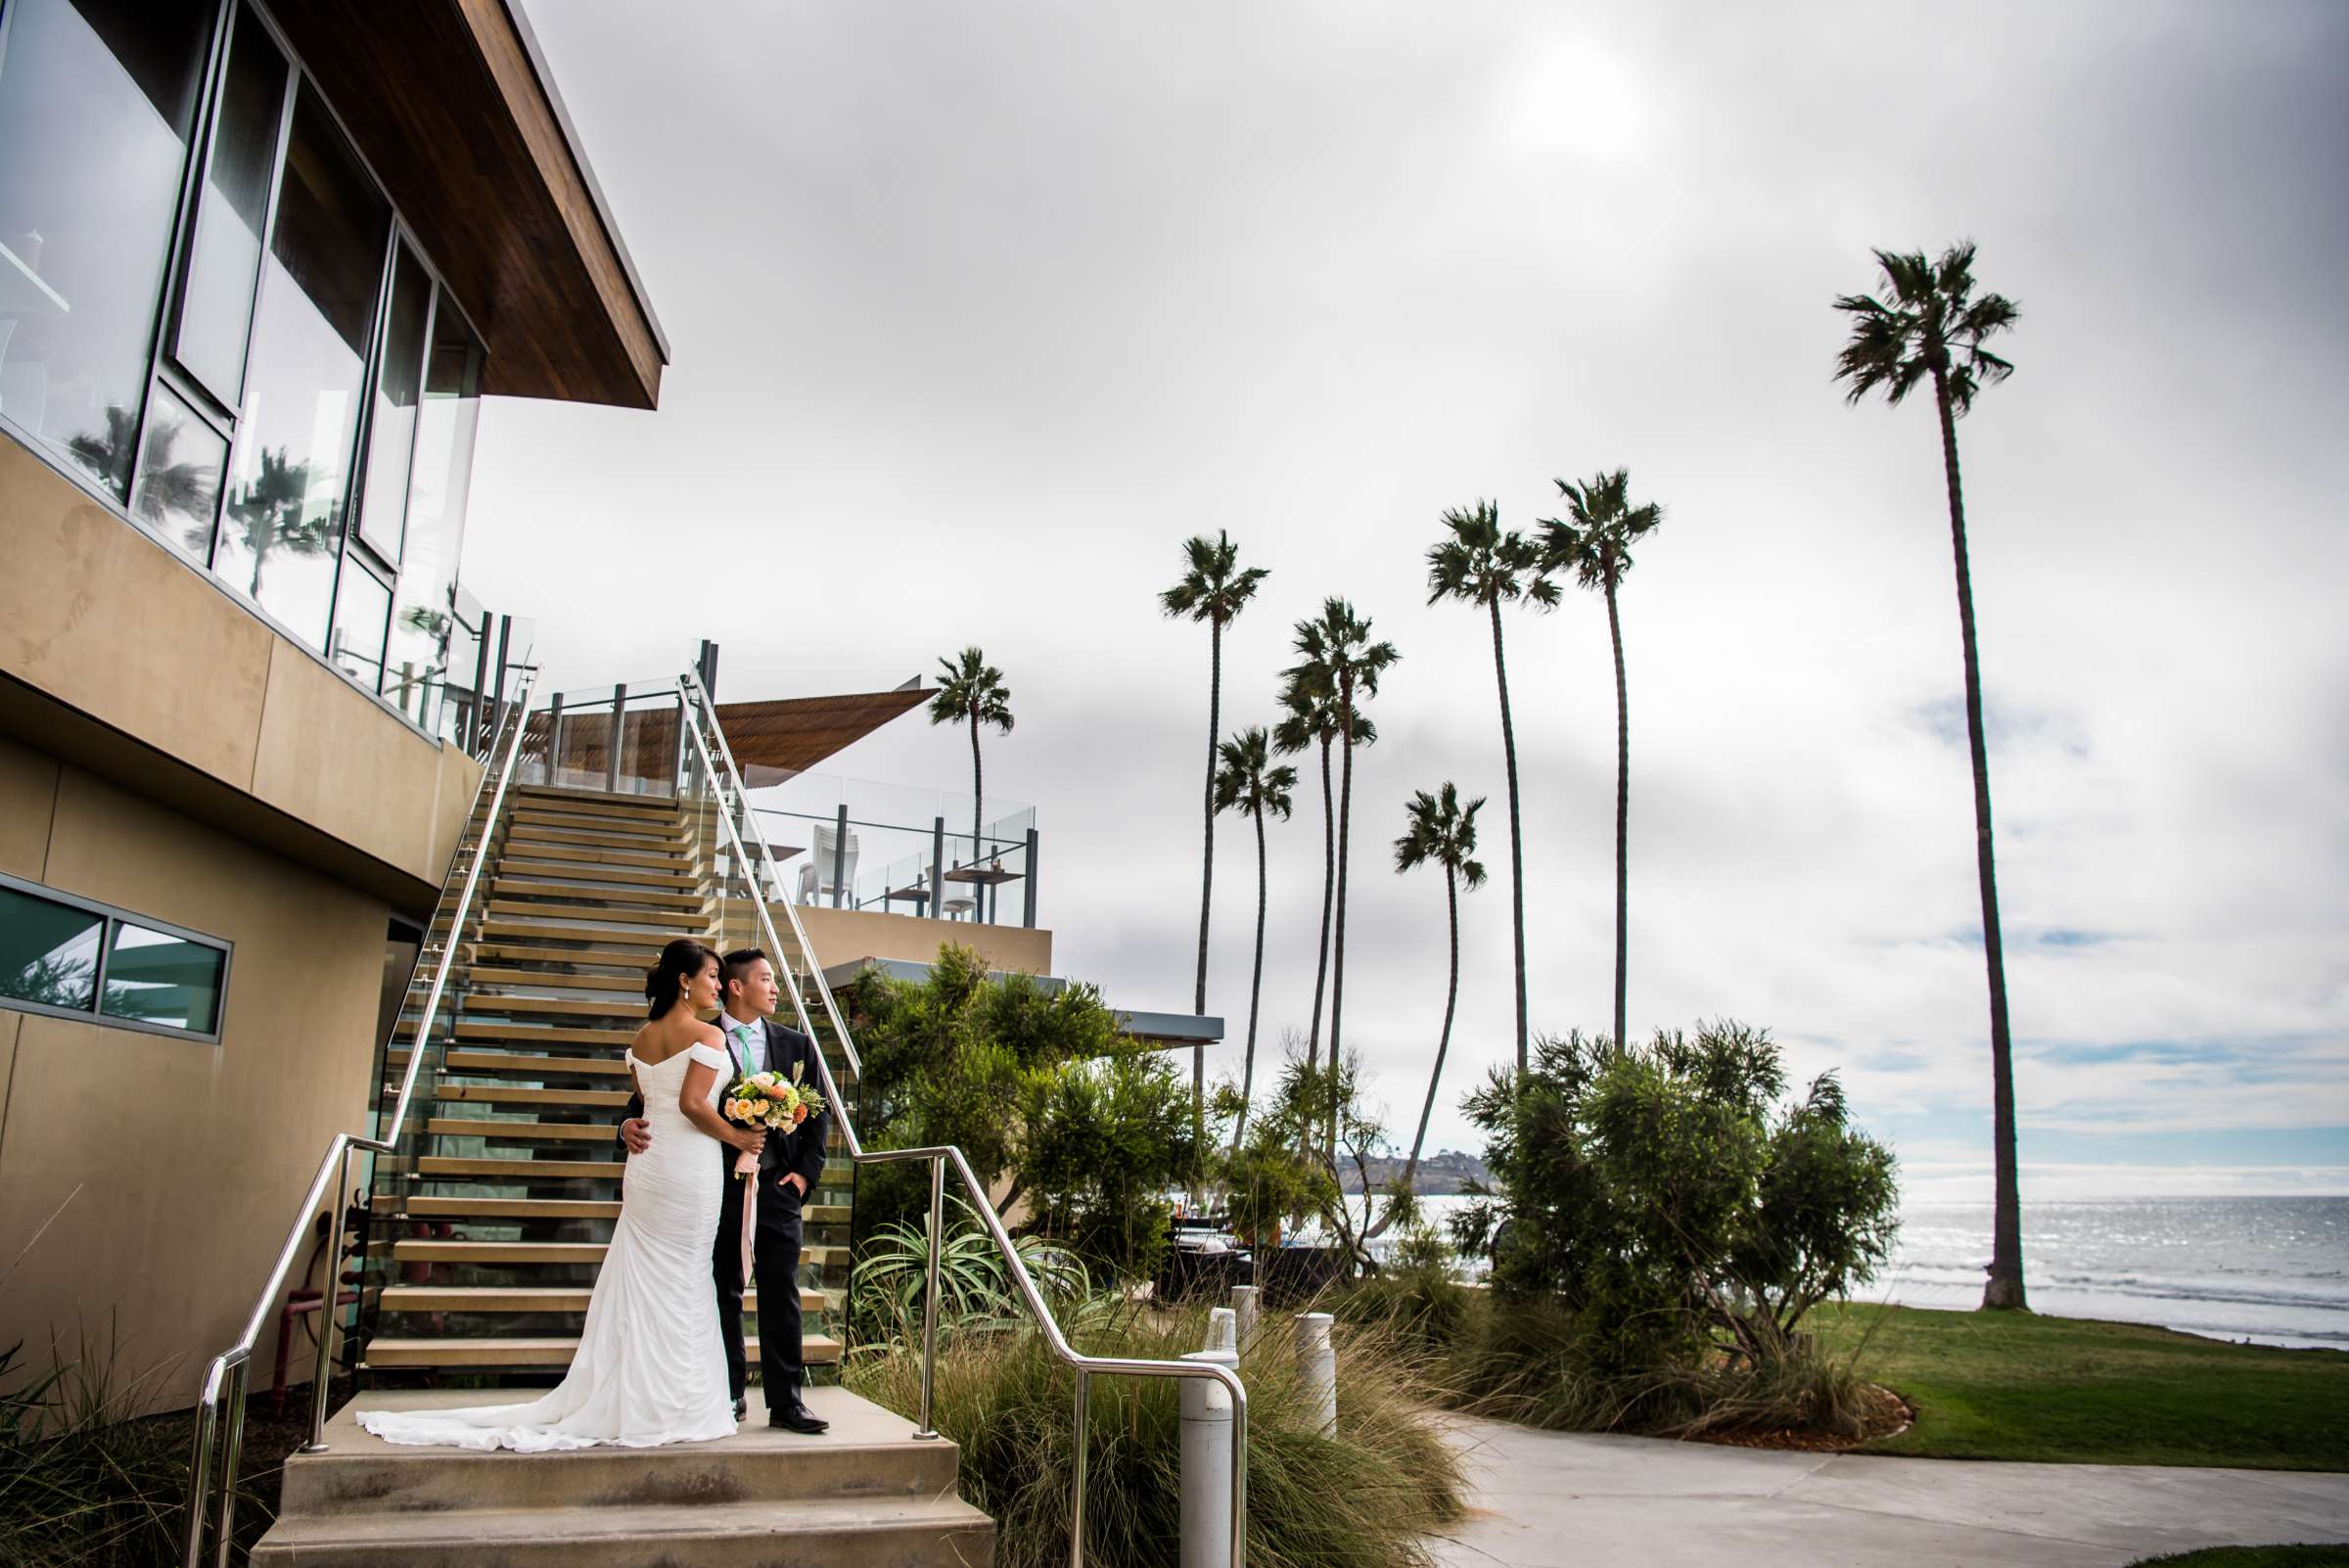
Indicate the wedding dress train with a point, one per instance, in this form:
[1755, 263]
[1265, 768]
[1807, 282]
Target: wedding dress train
[650, 1367]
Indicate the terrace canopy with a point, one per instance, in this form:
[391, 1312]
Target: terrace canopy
[775, 740]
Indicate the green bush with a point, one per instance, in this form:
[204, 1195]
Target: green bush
[975, 1285]
[1102, 1142]
[1660, 1194]
[1363, 1499]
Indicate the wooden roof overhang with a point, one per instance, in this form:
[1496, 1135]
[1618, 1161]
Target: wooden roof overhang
[451, 104]
[794, 734]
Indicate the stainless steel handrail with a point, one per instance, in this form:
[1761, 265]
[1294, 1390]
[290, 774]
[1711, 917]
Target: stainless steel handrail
[940, 1155]
[221, 1405]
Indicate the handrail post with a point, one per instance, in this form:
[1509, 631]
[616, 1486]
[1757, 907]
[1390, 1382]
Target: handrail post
[619, 721]
[554, 740]
[1076, 1458]
[232, 1450]
[200, 1476]
[938, 1204]
[330, 1294]
[840, 852]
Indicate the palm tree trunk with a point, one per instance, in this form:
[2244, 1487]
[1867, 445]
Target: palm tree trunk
[1452, 996]
[978, 815]
[1329, 884]
[2005, 1284]
[1623, 808]
[1337, 961]
[1207, 878]
[1508, 752]
[1256, 987]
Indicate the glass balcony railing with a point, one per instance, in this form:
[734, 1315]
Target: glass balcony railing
[859, 844]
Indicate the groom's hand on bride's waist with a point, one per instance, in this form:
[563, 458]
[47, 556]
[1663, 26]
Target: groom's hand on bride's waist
[637, 1134]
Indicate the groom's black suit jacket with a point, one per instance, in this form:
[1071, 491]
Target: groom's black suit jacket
[800, 1150]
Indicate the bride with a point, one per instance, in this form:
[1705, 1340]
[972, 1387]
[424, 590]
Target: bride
[650, 1367]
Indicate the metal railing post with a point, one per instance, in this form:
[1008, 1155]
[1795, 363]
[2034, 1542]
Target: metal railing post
[937, 869]
[620, 717]
[554, 740]
[1076, 1458]
[200, 1473]
[232, 1451]
[938, 1205]
[1027, 915]
[330, 1294]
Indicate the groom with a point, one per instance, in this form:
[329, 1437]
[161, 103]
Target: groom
[788, 1169]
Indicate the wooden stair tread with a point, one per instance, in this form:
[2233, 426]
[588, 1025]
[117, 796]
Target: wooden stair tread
[521, 1094]
[517, 1130]
[588, 922]
[473, 1062]
[523, 841]
[496, 975]
[498, 1002]
[552, 865]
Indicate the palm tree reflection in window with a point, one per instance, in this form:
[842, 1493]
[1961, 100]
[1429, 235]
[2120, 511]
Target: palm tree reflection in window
[167, 491]
[270, 516]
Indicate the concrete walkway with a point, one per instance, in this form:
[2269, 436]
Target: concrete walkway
[1556, 1500]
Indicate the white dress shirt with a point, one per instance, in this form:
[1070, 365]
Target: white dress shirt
[748, 1039]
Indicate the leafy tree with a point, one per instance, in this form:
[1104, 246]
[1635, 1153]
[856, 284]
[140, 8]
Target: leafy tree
[970, 691]
[1659, 1194]
[1933, 326]
[1284, 1172]
[1213, 590]
[1249, 783]
[1442, 832]
[1104, 1141]
[1481, 564]
[1594, 542]
[1311, 717]
[1336, 659]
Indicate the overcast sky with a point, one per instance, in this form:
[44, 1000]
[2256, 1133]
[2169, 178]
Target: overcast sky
[978, 310]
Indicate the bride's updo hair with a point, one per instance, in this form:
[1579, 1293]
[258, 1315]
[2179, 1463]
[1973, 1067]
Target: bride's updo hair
[679, 962]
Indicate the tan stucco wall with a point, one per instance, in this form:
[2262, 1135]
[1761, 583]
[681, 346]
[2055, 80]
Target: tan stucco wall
[171, 1208]
[104, 618]
[844, 935]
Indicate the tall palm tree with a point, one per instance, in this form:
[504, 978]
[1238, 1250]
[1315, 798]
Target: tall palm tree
[1479, 564]
[1933, 326]
[1335, 654]
[1213, 590]
[1594, 542]
[1442, 832]
[1249, 783]
[970, 691]
[1312, 719]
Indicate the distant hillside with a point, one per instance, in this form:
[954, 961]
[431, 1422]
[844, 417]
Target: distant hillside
[1438, 1173]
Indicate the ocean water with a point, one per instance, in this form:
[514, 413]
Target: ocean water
[2270, 1271]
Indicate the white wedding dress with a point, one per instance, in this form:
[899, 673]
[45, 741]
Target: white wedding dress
[651, 1368]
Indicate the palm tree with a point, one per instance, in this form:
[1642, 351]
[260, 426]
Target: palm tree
[1247, 782]
[1594, 543]
[970, 691]
[1213, 590]
[1442, 832]
[1481, 564]
[1312, 719]
[1335, 654]
[1933, 326]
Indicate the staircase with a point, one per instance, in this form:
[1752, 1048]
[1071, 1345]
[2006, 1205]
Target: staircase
[484, 1241]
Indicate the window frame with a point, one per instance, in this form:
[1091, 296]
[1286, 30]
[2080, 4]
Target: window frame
[113, 918]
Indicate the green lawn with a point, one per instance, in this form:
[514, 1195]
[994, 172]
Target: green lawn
[2254, 1557]
[2014, 1386]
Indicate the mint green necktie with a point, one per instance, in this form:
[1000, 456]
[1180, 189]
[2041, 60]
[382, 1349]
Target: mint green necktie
[750, 1057]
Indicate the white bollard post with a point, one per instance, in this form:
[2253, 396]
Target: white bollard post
[1243, 1309]
[1207, 1460]
[1318, 1366]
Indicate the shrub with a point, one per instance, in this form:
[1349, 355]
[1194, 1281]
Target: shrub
[975, 1285]
[1361, 1499]
[1103, 1141]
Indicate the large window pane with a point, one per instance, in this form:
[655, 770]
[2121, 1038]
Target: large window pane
[361, 609]
[97, 99]
[159, 978]
[179, 475]
[284, 518]
[392, 431]
[226, 257]
[417, 668]
[48, 951]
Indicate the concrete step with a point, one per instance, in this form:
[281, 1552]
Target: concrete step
[867, 1494]
[382, 1353]
[531, 1299]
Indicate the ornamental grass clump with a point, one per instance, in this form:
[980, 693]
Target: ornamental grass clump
[1364, 1498]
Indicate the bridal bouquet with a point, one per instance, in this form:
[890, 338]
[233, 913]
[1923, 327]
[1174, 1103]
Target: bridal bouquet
[772, 1101]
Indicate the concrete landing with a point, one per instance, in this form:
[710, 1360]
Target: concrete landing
[865, 1495]
[1551, 1500]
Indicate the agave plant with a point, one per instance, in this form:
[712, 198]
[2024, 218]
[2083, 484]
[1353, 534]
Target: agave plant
[975, 1285]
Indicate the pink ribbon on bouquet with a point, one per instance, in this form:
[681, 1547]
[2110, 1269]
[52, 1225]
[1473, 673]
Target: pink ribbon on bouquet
[746, 1167]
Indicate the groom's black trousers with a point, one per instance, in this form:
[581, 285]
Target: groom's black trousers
[775, 1264]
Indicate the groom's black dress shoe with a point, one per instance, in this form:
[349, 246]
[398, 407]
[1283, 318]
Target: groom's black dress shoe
[796, 1417]
[742, 1407]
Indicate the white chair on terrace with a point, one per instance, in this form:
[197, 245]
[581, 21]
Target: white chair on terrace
[827, 844]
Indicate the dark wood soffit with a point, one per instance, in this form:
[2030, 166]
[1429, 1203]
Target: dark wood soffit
[447, 109]
[795, 733]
